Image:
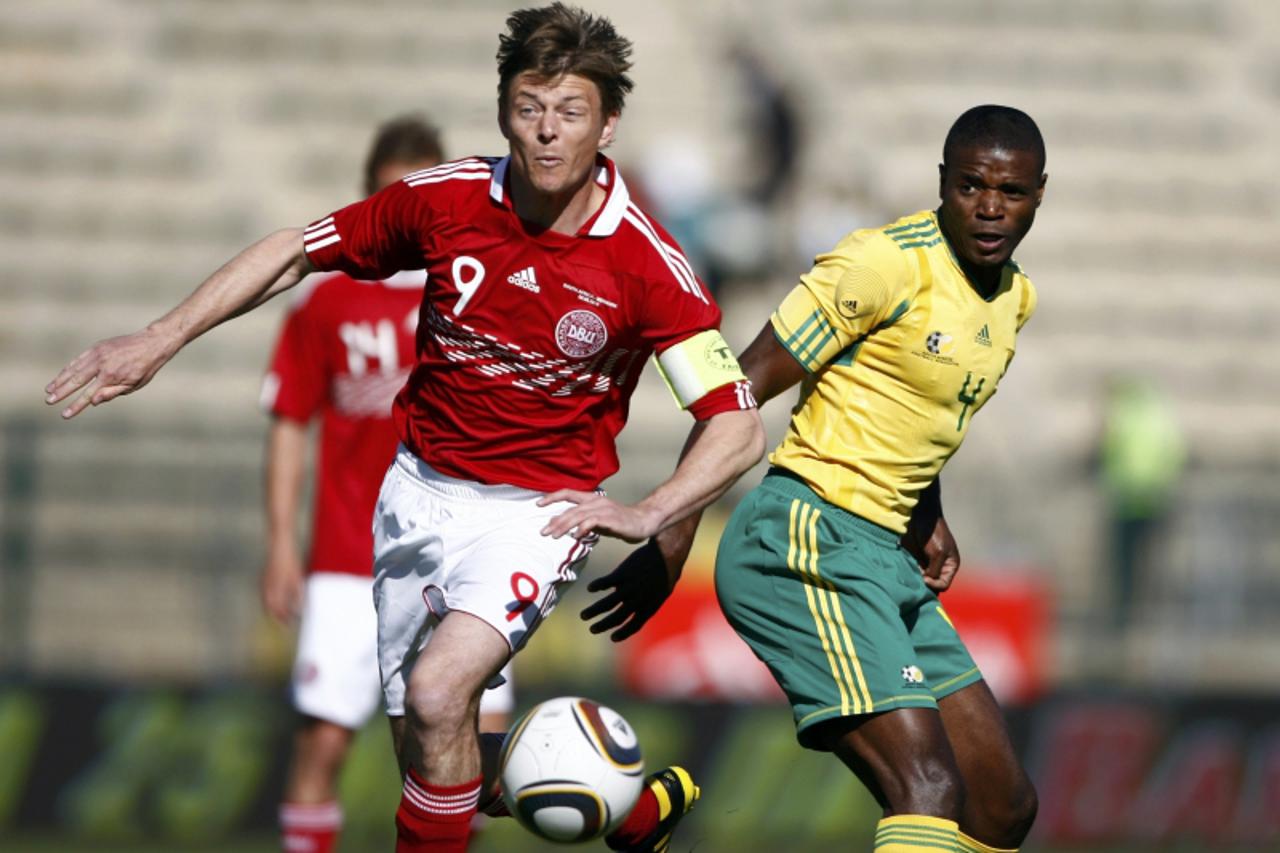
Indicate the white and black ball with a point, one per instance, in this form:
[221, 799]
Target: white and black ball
[571, 769]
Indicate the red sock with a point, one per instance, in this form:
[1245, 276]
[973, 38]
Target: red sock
[642, 821]
[435, 818]
[309, 828]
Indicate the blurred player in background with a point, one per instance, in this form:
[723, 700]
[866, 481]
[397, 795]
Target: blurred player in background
[830, 568]
[547, 291]
[344, 352]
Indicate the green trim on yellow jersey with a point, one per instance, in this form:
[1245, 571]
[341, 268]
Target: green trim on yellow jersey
[915, 235]
[901, 352]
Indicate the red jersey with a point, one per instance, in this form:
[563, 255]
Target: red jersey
[530, 342]
[344, 352]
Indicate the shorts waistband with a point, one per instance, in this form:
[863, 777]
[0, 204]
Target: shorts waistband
[413, 465]
[793, 485]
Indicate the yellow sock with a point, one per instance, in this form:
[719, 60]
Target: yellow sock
[968, 845]
[905, 833]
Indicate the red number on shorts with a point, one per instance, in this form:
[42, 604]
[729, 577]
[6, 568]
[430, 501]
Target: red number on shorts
[519, 581]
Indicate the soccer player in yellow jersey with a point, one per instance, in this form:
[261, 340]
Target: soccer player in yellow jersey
[830, 568]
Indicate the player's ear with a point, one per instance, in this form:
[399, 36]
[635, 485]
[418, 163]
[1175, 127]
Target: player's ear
[1044, 179]
[607, 133]
[942, 179]
[503, 125]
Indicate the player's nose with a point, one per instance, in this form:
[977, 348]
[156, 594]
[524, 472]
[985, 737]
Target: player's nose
[989, 205]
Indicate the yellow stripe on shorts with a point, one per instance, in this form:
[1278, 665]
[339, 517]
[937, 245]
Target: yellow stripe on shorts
[798, 506]
[823, 592]
[846, 670]
[862, 692]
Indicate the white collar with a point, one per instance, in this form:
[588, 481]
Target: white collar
[607, 176]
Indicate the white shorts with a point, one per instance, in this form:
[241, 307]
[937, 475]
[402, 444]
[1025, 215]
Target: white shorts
[335, 674]
[442, 544]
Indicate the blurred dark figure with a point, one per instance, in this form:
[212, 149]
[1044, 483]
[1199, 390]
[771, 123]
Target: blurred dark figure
[773, 124]
[731, 233]
[1142, 456]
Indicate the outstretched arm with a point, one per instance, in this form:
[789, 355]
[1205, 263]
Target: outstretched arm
[641, 583]
[122, 365]
[727, 445]
[638, 586]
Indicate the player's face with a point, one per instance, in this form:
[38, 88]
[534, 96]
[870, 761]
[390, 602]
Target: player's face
[388, 173]
[989, 200]
[555, 129]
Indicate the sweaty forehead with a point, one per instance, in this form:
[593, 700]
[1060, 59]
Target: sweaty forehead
[993, 159]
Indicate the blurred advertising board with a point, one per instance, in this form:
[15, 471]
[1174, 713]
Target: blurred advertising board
[159, 768]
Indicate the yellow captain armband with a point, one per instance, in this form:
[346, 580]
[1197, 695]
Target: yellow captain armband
[698, 365]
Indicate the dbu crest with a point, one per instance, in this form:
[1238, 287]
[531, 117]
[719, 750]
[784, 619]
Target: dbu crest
[580, 334]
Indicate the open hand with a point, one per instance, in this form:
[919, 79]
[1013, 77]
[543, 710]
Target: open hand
[110, 368]
[596, 513]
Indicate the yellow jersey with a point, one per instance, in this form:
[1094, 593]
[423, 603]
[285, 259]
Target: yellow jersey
[901, 350]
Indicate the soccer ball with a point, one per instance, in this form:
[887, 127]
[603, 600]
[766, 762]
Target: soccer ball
[571, 769]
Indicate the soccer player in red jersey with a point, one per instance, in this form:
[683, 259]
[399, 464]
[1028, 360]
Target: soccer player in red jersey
[343, 353]
[547, 289]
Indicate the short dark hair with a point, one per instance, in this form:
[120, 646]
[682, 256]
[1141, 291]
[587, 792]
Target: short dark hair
[994, 126]
[404, 139]
[555, 40]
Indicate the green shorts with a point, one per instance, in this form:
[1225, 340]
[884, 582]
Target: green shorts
[835, 607]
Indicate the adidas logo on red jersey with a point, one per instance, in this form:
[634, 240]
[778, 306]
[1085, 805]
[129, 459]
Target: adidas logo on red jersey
[525, 278]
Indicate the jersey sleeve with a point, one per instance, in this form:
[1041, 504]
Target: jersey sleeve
[374, 238]
[682, 323]
[296, 384]
[850, 292]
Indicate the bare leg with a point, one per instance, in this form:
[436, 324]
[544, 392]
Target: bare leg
[319, 750]
[1001, 803]
[443, 698]
[490, 751]
[903, 758]
[398, 728]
